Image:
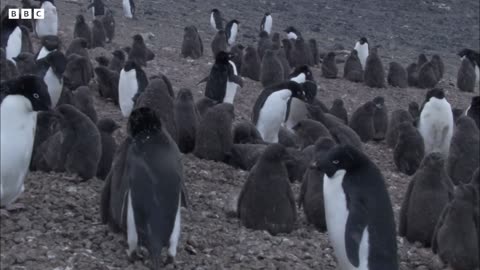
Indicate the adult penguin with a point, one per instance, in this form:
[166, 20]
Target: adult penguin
[51, 69]
[21, 99]
[361, 46]
[216, 19]
[49, 24]
[108, 22]
[266, 23]
[133, 80]
[11, 38]
[231, 31]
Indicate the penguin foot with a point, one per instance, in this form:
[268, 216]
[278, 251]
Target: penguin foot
[170, 260]
[132, 256]
[15, 207]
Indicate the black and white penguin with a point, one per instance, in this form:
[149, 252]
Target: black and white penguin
[266, 201]
[409, 149]
[271, 108]
[82, 30]
[117, 61]
[186, 119]
[128, 8]
[396, 118]
[223, 80]
[264, 43]
[154, 172]
[374, 75]
[11, 38]
[428, 193]
[359, 213]
[362, 121]
[231, 31]
[106, 127]
[219, 43]
[132, 81]
[98, 34]
[329, 66]
[271, 69]
[473, 110]
[21, 99]
[139, 51]
[108, 22]
[466, 76]
[361, 46]
[266, 23]
[98, 7]
[474, 57]
[192, 45]
[216, 19]
[339, 110]
[292, 32]
[436, 122]
[397, 75]
[251, 64]
[353, 70]
[380, 118]
[51, 69]
[49, 24]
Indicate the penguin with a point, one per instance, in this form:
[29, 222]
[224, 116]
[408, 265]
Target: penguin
[292, 32]
[223, 80]
[288, 137]
[362, 121]
[314, 49]
[266, 201]
[11, 38]
[271, 108]
[26, 41]
[237, 55]
[128, 8]
[380, 118]
[250, 64]
[311, 192]
[266, 23]
[287, 47]
[98, 7]
[51, 69]
[353, 70]
[78, 71]
[361, 46]
[298, 53]
[27, 23]
[396, 118]
[48, 123]
[21, 99]
[284, 61]
[339, 110]
[244, 132]
[213, 140]
[474, 58]
[264, 44]
[78, 46]
[438, 65]
[414, 109]
[117, 61]
[374, 75]
[473, 110]
[49, 24]
[397, 75]
[158, 96]
[203, 105]
[409, 149]
[108, 22]
[132, 80]
[25, 62]
[456, 234]
[309, 131]
[8, 68]
[421, 60]
[412, 74]
[245, 155]
[436, 122]
[276, 44]
[464, 155]
[428, 193]
[84, 102]
[427, 78]
[216, 20]
[456, 114]
[102, 61]
[154, 172]
[271, 69]
[231, 30]
[106, 127]
[98, 34]
[359, 214]
[186, 120]
[82, 30]
[192, 45]
[329, 66]
[219, 43]
[139, 51]
[466, 76]
[107, 81]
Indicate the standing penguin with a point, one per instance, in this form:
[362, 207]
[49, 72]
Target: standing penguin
[466, 76]
[51, 69]
[380, 119]
[464, 155]
[231, 31]
[219, 43]
[438, 65]
[292, 32]
[82, 30]
[397, 76]
[132, 80]
[139, 51]
[266, 23]
[117, 61]
[473, 110]
[49, 24]
[21, 99]
[154, 172]
[25, 63]
[251, 64]
[192, 45]
[414, 109]
[427, 194]
[474, 57]
[216, 20]
[285, 64]
[264, 44]
[329, 66]
[266, 201]
[223, 80]
[128, 8]
[298, 54]
[98, 8]
[362, 121]
[353, 70]
[237, 52]
[108, 22]
[98, 34]
[362, 49]
[314, 50]
[106, 127]
[339, 110]
[412, 74]
[309, 131]
[11, 38]
[271, 69]
[409, 150]
[358, 210]
[436, 122]
[107, 81]
[427, 78]
[396, 118]
[374, 75]
[186, 119]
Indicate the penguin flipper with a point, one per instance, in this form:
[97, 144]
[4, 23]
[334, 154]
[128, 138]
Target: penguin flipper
[303, 190]
[185, 198]
[236, 79]
[402, 227]
[105, 200]
[203, 80]
[356, 224]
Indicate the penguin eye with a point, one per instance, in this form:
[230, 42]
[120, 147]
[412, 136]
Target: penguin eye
[35, 95]
[335, 162]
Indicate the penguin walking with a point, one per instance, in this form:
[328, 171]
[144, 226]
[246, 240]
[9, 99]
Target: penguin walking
[154, 172]
[216, 19]
[361, 46]
[436, 122]
[98, 34]
[132, 80]
[266, 23]
[51, 69]
[359, 214]
[192, 45]
[129, 8]
[49, 24]
[231, 30]
[21, 99]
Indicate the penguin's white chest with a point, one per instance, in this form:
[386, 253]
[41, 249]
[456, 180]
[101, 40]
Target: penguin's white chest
[127, 88]
[54, 85]
[212, 22]
[268, 24]
[298, 111]
[231, 87]
[362, 50]
[292, 35]
[233, 34]
[127, 9]
[477, 74]
[336, 214]
[436, 125]
[43, 53]
[18, 125]
[14, 44]
[272, 114]
[48, 25]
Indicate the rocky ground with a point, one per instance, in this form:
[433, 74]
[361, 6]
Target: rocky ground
[60, 229]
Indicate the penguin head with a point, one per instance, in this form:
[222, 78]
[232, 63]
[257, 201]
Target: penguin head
[267, 14]
[57, 61]
[223, 57]
[354, 52]
[263, 34]
[468, 53]
[330, 55]
[422, 59]
[137, 38]
[119, 54]
[185, 94]
[301, 74]
[143, 120]
[130, 64]
[102, 60]
[50, 42]
[190, 30]
[290, 29]
[369, 107]
[434, 93]
[107, 125]
[297, 90]
[275, 152]
[379, 102]
[363, 40]
[338, 103]
[215, 10]
[341, 157]
[310, 90]
[32, 88]
[80, 18]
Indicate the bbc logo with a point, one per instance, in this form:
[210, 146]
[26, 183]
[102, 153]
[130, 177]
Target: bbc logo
[26, 13]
